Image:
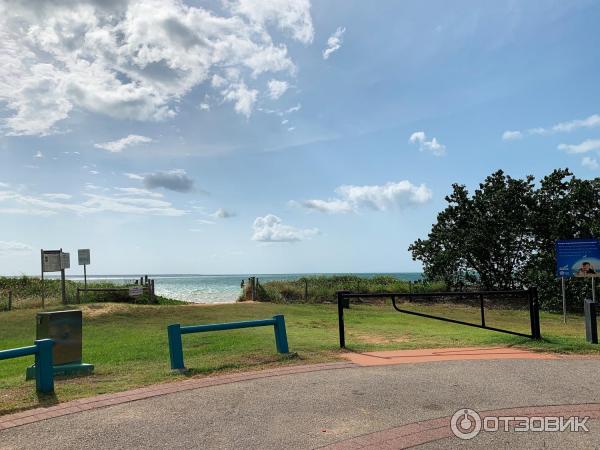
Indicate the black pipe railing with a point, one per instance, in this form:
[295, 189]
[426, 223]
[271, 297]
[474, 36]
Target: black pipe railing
[531, 295]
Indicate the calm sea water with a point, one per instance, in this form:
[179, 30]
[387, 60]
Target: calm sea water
[215, 288]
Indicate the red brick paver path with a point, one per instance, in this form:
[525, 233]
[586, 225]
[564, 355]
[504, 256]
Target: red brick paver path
[443, 354]
[418, 433]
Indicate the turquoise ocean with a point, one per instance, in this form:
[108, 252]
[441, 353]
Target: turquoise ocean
[217, 288]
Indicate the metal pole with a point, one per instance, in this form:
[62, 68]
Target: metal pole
[9, 299]
[564, 298]
[482, 310]
[84, 283]
[63, 288]
[42, 263]
[341, 319]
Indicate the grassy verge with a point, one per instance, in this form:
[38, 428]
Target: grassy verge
[128, 343]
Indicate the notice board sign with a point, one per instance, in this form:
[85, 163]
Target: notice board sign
[83, 256]
[578, 258]
[136, 291]
[51, 261]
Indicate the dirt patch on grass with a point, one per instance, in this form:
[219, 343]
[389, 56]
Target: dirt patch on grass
[96, 310]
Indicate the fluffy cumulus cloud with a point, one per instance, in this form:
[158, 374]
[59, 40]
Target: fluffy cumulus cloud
[174, 180]
[586, 146]
[433, 146]
[277, 88]
[590, 163]
[270, 228]
[334, 42]
[119, 200]
[120, 144]
[392, 195]
[12, 248]
[137, 59]
[592, 121]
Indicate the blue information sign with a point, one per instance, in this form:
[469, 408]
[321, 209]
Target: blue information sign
[578, 258]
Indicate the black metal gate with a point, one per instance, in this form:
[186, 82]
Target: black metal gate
[344, 298]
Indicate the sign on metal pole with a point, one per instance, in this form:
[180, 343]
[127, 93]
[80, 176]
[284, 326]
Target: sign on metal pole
[65, 261]
[578, 258]
[83, 255]
[55, 261]
[51, 261]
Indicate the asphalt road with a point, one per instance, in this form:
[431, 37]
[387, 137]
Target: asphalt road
[310, 410]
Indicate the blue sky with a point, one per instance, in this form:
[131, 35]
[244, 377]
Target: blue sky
[277, 136]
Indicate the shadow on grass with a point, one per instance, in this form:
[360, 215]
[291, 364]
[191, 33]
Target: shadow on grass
[194, 371]
[47, 399]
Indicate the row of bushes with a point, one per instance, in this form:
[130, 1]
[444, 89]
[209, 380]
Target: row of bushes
[323, 289]
[27, 293]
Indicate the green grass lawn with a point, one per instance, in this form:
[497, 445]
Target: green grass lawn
[128, 343]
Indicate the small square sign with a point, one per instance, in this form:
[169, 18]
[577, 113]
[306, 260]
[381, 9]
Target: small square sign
[65, 260]
[83, 255]
[136, 291]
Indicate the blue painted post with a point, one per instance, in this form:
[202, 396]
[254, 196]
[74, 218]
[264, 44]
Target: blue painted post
[44, 371]
[175, 347]
[280, 334]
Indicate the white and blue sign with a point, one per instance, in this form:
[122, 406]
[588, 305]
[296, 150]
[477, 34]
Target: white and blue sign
[578, 258]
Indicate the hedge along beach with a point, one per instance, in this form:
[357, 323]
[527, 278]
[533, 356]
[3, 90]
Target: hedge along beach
[220, 288]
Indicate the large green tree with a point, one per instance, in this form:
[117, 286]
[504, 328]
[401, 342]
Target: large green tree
[502, 236]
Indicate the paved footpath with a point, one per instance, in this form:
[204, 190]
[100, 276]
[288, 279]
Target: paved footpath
[376, 400]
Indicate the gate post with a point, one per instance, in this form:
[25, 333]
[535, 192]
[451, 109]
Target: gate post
[341, 300]
[280, 334]
[534, 312]
[591, 326]
[175, 347]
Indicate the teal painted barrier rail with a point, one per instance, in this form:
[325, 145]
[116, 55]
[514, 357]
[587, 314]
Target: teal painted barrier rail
[176, 330]
[44, 375]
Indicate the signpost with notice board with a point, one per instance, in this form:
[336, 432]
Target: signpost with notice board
[55, 261]
[577, 258]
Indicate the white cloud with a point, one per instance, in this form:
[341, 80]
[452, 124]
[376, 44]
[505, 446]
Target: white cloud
[137, 191]
[270, 228]
[39, 154]
[590, 163]
[12, 247]
[328, 206]
[291, 16]
[334, 42]
[586, 146]
[135, 59]
[592, 121]
[392, 195]
[222, 213]
[205, 222]
[433, 146]
[243, 98]
[58, 196]
[120, 144]
[204, 106]
[277, 88]
[13, 202]
[512, 135]
[133, 176]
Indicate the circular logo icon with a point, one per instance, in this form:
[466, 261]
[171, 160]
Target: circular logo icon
[465, 423]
